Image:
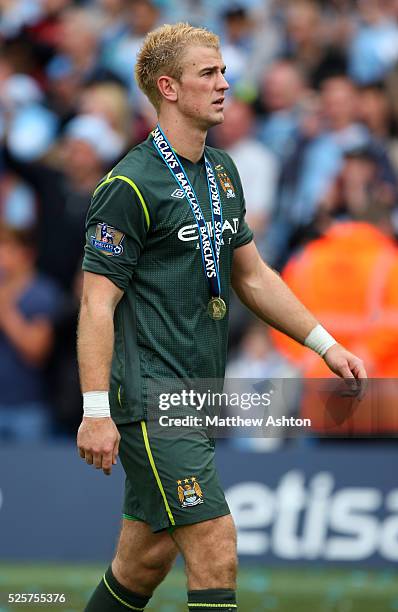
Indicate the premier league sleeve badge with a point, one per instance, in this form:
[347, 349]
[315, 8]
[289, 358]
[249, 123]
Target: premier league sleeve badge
[108, 239]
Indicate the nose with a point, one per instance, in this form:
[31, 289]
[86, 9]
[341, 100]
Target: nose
[222, 82]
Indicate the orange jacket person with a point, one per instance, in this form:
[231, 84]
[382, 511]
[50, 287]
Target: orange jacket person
[349, 279]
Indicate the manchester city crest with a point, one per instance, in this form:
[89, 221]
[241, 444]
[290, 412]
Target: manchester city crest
[225, 181]
[108, 239]
[189, 492]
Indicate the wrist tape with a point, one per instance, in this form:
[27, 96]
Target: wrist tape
[319, 340]
[96, 404]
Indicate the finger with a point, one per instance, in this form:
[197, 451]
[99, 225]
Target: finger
[345, 372]
[115, 452]
[352, 386]
[363, 387]
[97, 460]
[360, 374]
[359, 371]
[89, 458]
[107, 459]
[107, 464]
[82, 453]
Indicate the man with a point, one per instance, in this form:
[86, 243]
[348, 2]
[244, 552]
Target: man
[157, 308]
[283, 91]
[64, 193]
[257, 166]
[30, 307]
[359, 303]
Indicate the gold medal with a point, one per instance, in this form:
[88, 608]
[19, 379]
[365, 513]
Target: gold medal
[216, 308]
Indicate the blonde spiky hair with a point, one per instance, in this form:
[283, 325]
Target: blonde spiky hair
[162, 53]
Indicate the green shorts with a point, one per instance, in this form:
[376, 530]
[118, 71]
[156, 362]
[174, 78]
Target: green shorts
[170, 481]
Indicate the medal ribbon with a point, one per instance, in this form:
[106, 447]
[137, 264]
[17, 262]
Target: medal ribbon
[210, 252]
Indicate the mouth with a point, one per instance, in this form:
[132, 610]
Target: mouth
[219, 103]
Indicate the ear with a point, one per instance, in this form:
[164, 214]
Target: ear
[167, 88]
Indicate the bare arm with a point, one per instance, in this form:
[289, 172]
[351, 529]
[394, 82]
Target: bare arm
[98, 438]
[263, 291]
[95, 331]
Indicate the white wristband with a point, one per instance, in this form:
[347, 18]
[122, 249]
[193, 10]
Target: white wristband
[319, 340]
[96, 404]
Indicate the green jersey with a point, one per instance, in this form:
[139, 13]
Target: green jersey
[142, 235]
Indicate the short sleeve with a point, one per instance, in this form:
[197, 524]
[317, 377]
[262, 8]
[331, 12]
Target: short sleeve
[116, 229]
[245, 234]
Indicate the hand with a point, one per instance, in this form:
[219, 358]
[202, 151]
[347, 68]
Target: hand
[7, 310]
[7, 304]
[98, 442]
[347, 366]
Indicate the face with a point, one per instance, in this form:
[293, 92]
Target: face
[79, 156]
[358, 173]
[302, 22]
[201, 90]
[53, 7]
[144, 16]
[76, 39]
[112, 6]
[374, 108]
[339, 102]
[282, 87]
[370, 10]
[13, 257]
[95, 102]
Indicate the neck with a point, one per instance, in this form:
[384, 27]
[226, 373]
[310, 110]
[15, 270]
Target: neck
[188, 140]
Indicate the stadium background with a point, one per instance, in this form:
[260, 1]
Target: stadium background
[311, 123]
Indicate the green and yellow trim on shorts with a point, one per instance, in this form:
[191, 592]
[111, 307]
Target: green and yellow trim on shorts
[156, 473]
[154, 464]
[131, 517]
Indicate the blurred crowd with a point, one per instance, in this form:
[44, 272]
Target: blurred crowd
[311, 123]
